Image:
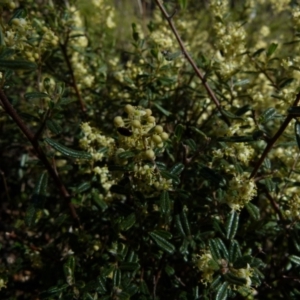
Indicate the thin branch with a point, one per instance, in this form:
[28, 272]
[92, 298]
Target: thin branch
[64, 51]
[40, 154]
[189, 58]
[275, 206]
[272, 141]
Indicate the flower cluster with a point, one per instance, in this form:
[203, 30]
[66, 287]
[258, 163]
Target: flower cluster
[96, 143]
[240, 191]
[209, 267]
[139, 132]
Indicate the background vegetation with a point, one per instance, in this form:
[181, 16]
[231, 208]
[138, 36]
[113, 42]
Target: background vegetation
[138, 165]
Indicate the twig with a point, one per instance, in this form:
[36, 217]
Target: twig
[275, 206]
[63, 48]
[264, 72]
[40, 154]
[189, 58]
[272, 141]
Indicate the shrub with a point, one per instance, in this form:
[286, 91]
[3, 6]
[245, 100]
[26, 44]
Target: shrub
[157, 159]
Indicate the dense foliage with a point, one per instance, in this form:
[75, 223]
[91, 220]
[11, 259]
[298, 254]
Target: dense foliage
[140, 165]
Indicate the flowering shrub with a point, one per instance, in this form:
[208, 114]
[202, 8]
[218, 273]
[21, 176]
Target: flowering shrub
[153, 159]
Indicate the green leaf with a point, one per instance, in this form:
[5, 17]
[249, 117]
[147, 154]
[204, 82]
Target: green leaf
[69, 268]
[294, 110]
[216, 283]
[161, 109]
[35, 95]
[295, 259]
[179, 130]
[67, 151]
[126, 154]
[230, 115]
[177, 169]
[50, 293]
[286, 82]
[183, 4]
[179, 225]
[129, 266]
[144, 288]
[53, 126]
[258, 52]
[165, 203]
[222, 248]
[214, 249]
[162, 242]
[18, 13]
[199, 132]
[232, 225]
[234, 251]
[253, 211]
[100, 203]
[135, 34]
[17, 65]
[169, 270]
[268, 115]
[83, 187]
[233, 279]
[128, 222]
[185, 222]
[222, 292]
[271, 49]
[37, 200]
[101, 288]
[117, 277]
[191, 143]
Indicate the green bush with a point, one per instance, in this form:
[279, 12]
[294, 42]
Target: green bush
[149, 151]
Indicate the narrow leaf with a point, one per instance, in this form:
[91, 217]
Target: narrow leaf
[165, 203]
[253, 211]
[233, 279]
[232, 225]
[179, 130]
[68, 151]
[234, 251]
[230, 115]
[222, 292]
[295, 259]
[35, 95]
[17, 65]
[117, 276]
[128, 222]
[177, 169]
[214, 249]
[162, 243]
[271, 49]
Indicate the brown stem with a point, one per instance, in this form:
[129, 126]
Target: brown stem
[189, 58]
[64, 51]
[40, 154]
[272, 141]
[275, 206]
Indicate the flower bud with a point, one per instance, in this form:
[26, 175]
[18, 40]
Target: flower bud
[129, 109]
[118, 121]
[158, 129]
[149, 154]
[164, 136]
[136, 124]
